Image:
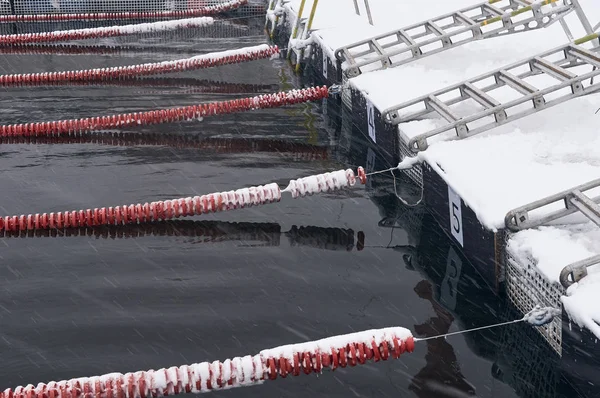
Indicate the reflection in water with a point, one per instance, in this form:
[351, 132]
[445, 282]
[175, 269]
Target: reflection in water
[288, 149]
[518, 354]
[266, 234]
[441, 376]
[179, 85]
[95, 49]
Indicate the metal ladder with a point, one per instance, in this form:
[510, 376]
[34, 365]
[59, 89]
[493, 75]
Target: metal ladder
[493, 113]
[481, 21]
[574, 200]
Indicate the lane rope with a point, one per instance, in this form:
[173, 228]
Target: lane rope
[183, 207]
[203, 61]
[167, 14]
[290, 360]
[103, 32]
[169, 115]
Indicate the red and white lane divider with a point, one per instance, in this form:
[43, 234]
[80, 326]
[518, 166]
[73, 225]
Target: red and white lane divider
[165, 115]
[134, 71]
[310, 357]
[195, 12]
[103, 32]
[183, 207]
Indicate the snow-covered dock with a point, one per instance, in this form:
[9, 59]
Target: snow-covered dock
[529, 153]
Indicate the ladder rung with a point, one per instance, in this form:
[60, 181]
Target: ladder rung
[552, 69]
[441, 108]
[585, 55]
[518, 84]
[405, 37]
[524, 3]
[480, 96]
[435, 28]
[374, 45]
[464, 19]
[348, 57]
[493, 10]
[585, 205]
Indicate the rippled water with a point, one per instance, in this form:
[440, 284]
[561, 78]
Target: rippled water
[86, 302]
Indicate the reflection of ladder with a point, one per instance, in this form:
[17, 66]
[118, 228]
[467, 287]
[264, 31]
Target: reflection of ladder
[481, 21]
[491, 112]
[575, 200]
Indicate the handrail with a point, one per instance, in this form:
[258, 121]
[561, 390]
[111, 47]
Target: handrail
[574, 201]
[577, 270]
[518, 218]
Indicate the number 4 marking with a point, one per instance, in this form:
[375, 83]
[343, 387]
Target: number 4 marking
[371, 120]
[456, 222]
[325, 64]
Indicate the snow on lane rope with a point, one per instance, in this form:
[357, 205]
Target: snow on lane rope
[310, 357]
[165, 115]
[196, 12]
[181, 207]
[133, 71]
[324, 182]
[103, 32]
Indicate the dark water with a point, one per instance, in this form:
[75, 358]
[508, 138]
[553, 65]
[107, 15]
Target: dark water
[81, 303]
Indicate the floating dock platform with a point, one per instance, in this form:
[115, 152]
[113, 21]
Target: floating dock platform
[493, 104]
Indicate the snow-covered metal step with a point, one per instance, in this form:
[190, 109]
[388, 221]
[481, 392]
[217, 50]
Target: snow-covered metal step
[492, 113]
[481, 21]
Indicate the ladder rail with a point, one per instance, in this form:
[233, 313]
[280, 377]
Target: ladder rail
[469, 24]
[446, 37]
[574, 200]
[455, 100]
[518, 218]
[418, 143]
[571, 54]
[388, 113]
[359, 43]
[562, 11]
[577, 270]
[397, 33]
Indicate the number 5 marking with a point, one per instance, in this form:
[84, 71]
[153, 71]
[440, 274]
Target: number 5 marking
[455, 207]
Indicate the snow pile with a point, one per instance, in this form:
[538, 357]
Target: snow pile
[556, 247]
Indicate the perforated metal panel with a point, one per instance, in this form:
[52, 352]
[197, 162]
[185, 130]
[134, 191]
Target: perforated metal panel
[524, 362]
[416, 172]
[526, 288]
[346, 92]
